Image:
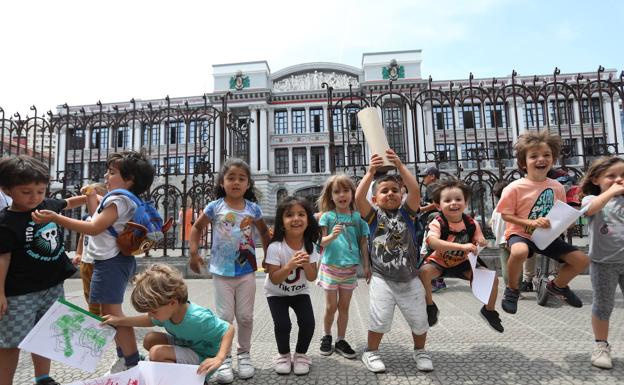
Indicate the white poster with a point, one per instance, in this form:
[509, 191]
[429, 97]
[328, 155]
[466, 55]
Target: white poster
[375, 134]
[71, 335]
[482, 280]
[131, 376]
[151, 373]
[561, 216]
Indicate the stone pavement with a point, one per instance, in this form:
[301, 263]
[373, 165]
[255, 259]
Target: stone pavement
[540, 345]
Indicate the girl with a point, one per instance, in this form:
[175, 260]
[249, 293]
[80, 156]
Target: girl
[233, 276]
[603, 187]
[344, 237]
[291, 261]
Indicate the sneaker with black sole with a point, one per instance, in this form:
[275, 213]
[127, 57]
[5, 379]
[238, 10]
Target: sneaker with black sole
[432, 314]
[343, 348]
[526, 287]
[326, 345]
[510, 300]
[493, 319]
[47, 381]
[564, 294]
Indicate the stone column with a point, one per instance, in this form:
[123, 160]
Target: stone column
[289, 121]
[290, 160]
[308, 128]
[253, 139]
[308, 160]
[264, 140]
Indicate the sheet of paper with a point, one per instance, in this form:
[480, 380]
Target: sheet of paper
[129, 377]
[482, 280]
[71, 335]
[561, 216]
[374, 133]
[161, 373]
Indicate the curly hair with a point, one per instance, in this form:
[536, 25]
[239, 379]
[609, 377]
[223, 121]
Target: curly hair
[156, 287]
[532, 139]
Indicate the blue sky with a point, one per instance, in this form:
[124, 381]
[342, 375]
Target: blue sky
[81, 52]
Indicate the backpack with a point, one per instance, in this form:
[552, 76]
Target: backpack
[445, 230]
[414, 227]
[143, 231]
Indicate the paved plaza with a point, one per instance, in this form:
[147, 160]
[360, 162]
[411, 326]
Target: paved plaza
[540, 345]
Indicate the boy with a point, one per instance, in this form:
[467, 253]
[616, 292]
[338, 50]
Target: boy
[33, 263]
[195, 336]
[428, 211]
[112, 270]
[523, 206]
[451, 236]
[394, 260]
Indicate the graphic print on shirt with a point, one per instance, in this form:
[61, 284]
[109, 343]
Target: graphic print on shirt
[389, 245]
[246, 246]
[43, 243]
[541, 207]
[455, 257]
[235, 247]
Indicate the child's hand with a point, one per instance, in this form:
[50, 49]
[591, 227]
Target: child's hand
[616, 189]
[376, 161]
[393, 158]
[77, 259]
[541, 222]
[336, 231]
[43, 216]
[87, 190]
[4, 304]
[196, 262]
[482, 242]
[112, 320]
[209, 365]
[367, 274]
[298, 260]
[469, 248]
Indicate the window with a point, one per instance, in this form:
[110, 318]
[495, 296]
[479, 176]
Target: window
[530, 117]
[316, 120]
[191, 161]
[591, 113]
[175, 164]
[569, 147]
[281, 195]
[176, 132]
[156, 163]
[299, 160]
[352, 121]
[500, 120]
[75, 138]
[298, 120]
[446, 152]
[73, 173]
[355, 154]
[472, 151]
[121, 137]
[99, 138]
[339, 158]
[393, 122]
[281, 122]
[337, 119]
[470, 116]
[561, 112]
[443, 118]
[281, 161]
[594, 146]
[97, 170]
[500, 150]
[198, 132]
[151, 135]
[317, 159]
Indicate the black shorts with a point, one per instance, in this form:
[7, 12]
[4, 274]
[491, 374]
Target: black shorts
[556, 250]
[458, 271]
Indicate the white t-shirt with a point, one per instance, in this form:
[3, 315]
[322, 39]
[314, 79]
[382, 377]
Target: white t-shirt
[279, 254]
[86, 256]
[104, 245]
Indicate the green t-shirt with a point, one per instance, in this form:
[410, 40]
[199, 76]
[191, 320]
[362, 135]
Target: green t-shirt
[345, 249]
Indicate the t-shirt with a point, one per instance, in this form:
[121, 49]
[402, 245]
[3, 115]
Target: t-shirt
[527, 199]
[278, 254]
[38, 259]
[606, 231]
[498, 227]
[86, 256]
[104, 245]
[394, 255]
[5, 200]
[233, 250]
[345, 249]
[200, 330]
[452, 257]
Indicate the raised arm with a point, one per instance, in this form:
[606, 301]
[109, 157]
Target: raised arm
[409, 180]
[599, 202]
[363, 205]
[107, 217]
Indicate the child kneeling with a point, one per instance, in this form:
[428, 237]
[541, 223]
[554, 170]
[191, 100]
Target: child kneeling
[195, 336]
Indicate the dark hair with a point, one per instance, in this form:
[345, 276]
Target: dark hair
[133, 166]
[387, 178]
[448, 183]
[219, 191]
[531, 139]
[22, 169]
[498, 187]
[597, 167]
[312, 233]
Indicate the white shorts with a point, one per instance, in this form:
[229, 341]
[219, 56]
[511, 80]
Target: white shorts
[183, 354]
[408, 296]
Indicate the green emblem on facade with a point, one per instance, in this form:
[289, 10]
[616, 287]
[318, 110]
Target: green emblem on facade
[393, 71]
[239, 81]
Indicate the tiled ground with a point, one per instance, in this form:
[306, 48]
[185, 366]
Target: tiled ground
[540, 345]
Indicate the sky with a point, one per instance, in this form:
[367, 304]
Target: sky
[79, 52]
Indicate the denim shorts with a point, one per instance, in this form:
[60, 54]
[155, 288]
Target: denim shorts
[556, 250]
[110, 279]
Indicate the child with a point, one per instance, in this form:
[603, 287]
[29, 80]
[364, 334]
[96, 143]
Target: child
[523, 206]
[603, 186]
[451, 236]
[345, 241]
[112, 270]
[232, 261]
[291, 261]
[498, 228]
[394, 260]
[195, 336]
[33, 263]
[428, 211]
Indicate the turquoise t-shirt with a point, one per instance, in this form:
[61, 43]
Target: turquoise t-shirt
[200, 330]
[345, 249]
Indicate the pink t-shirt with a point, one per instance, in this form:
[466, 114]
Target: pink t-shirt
[452, 257]
[527, 199]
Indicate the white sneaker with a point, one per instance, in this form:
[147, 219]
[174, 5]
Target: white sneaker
[282, 364]
[373, 361]
[245, 367]
[301, 364]
[601, 356]
[224, 374]
[423, 360]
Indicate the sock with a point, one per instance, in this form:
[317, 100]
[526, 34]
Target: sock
[132, 360]
[41, 377]
[605, 341]
[119, 352]
[339, 339]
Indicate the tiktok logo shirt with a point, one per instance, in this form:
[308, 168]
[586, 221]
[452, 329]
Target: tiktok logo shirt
[278, 254]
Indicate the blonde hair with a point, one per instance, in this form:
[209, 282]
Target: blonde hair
[100, 188]
[532, 139]
[156, 287]
[325, 202]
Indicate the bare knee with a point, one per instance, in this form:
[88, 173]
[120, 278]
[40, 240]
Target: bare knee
[578, 260]
[518, 252]
[157, 353]
[152, 339]
[330, 308]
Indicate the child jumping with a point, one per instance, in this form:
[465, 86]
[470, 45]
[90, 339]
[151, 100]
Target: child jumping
[451, 236]
[291, 262]
[33, 263]
[195, 336]
[394, 260]
[233, 215]
[523, 206]
[603, 187]
[345, 241]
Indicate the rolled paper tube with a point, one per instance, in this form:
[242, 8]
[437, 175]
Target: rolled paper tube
[375, 135]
